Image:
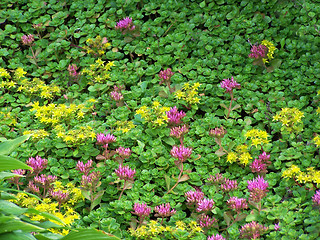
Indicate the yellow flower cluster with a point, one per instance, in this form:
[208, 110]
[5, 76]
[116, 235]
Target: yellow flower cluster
[37, 86]
[98, 72]
[75, 136]
[189, 93]
[156, 114]
[241, 155]
[7, 117]
[316, 140]
[257, 137]
[154, 229]
[37, 134]
[96, 46]
[74, 192]
[271, 49]
[310, 176]
[56, 113]
[289, 117]
[4, 73]
[124, 126]
[67, 215]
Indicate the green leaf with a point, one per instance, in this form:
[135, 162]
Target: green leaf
[168, 180]
[6, 175]
[17, 236]
[185, 177]
[90, 234]
[19, 225]
[6, 147]
[11, 208]
[236, 107]
[97, 199]
[9, 163]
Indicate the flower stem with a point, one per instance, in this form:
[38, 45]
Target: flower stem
[229, 109]
[177, 180]
[122, 190]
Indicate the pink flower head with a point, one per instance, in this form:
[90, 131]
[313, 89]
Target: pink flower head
[258, 52]
[163, 210]
[33, 187]
[252, 230]
[141, 210]
[316, 198]
[194, 196]
[117, 96]
[229, 85]
[125, 173]
[205, 205]
[105, 139]
[84, 168]
[38, 164]
[216, 237]
[206, 221]
[237, 204]
[59, 196]
[216, 179]
[27, 39]
[125, 23]
[165, 75]
[73, 70]
[178, 132]
[264, 157]
[258, 166]
[174, 116]
[218, 132]
[181, 152]
[123, 152]
[229, 185]
[90, 180]
[258, 183]
[277, 227]
[44, 180]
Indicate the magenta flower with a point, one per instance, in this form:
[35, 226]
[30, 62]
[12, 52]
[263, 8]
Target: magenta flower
[264, 157]
[174, 116]
[206, 221]
[181, 152]
[258, 52]
[194, 196]
[90, 180]
[252, 230]
[237, 204]
[27, 39]
[105, 139]
[229, 84]
[316, 198]
[84, 168]
[229, 185]
[163, 210]
[216, 179]
[59, 196]
[125, 173]
[33, 187]
[141, 210]
[258, 166]
[73, 70]
[123, 152]
[45, 180]
[178, 132]
[38, 164]
[165, 75]
[258, 183]
[116, 96]
[216, 237]
[16, 180]
[218, 132]
[125, 24]
[205, 205]
[277, 227]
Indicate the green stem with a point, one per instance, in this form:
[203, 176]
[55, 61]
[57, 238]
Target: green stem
[177, 180]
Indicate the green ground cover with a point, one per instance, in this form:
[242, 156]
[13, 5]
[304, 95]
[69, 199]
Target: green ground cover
[159, 119]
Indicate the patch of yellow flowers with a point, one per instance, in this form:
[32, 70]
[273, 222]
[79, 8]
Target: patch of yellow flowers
[97, 46]
[155, 229]
[290, 119]
[257, 137]
[189, 93]
[156, 114]
[75, 136]
[98, 72]
[271, 49]
[241, 155]
[124, 126]
[310, 176]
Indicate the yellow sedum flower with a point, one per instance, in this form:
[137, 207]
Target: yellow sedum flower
[257, 137]
[189, 93]
[271, 50]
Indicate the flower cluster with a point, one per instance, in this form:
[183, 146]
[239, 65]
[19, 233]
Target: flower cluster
[290, 119]
[179, 131]
[218, 132]
[88, 180]
[252, 230]
[237, 204]
[163, 210]
[257, 188]
[124, 126]
[38, 164]
[16, 180]
[72, 69]
[189, 93]
[205, 205]
[165, 75]
[27, 39]
[74, 136]
[193, 197]
[156, 114]
[125, 173]
[205, 221]
[229, 84]
[216, 237]
[99, 72]
[125, 24]
[116, 94]
[257, 137]
[229, 185]
[97, 46]
[84, 168]
[241, 155]
[316, 198]
[310, 176]
[123, 152]
[105, 139]
[182, 153]
[174, 116]
[263, 51]
[141, 210]
[260, 165]
[37, 134]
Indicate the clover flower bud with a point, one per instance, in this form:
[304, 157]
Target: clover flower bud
[163, 210]
[174, 116]
[125, 173]
[38, 164]
[218, 132]
[84, 168]
[141, 210]
[229, 185]
[27, 39]
[181, 152]
[252, 230]
[216, 237]
[229, 84]
[206, 221]
[237, 204]
[205, 205]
